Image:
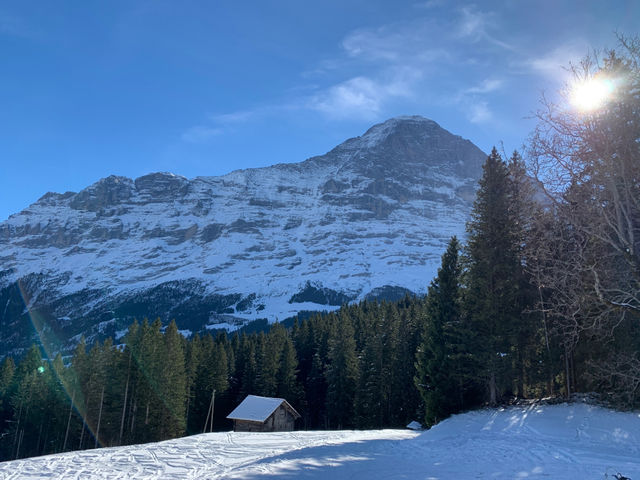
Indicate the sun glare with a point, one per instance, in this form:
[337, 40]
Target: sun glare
[591, 94]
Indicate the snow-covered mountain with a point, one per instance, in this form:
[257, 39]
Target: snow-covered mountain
[369, 219]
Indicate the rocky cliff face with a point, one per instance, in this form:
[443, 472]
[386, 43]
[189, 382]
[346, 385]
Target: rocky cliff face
[369, 219]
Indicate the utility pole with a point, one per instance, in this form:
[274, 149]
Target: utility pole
[210, 413]
[99, 418]
[213, 404]
[124, 404]
[15, 438]
[66, 435]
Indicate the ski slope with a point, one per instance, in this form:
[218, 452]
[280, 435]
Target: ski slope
[575, 441]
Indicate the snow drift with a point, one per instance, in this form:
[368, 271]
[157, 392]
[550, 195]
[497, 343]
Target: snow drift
[575, 441]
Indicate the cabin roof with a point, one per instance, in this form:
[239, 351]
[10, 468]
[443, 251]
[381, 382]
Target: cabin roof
[258, 409]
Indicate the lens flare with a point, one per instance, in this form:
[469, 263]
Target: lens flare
[591, 94]
[47, 340]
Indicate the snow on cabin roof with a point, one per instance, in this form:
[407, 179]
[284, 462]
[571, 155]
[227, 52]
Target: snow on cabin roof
[258, 409]
[414, 426]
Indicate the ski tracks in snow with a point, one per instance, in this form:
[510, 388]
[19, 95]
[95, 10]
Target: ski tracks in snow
[572, 442]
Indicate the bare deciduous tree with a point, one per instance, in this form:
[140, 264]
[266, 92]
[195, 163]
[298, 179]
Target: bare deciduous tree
[585, 250]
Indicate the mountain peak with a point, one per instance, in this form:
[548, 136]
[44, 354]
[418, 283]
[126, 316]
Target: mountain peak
[404, 144]
[381, 131]
[403, 129]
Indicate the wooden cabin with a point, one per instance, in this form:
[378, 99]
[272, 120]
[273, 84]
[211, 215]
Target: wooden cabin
[263, 414]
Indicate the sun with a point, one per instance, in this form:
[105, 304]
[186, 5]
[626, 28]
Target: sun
[591, 94]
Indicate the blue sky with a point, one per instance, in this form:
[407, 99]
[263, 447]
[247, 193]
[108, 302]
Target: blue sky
[93, 88]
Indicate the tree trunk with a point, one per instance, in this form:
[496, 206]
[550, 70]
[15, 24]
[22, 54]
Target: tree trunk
[44, 441]
[15, 438]
[567, 373]
[84, 423]
[39, 435]
[99, 418]
[521, 371]
[572, 364]
[66, 434]
[19, 442]
[133, 416]
[124, 403]
[492, 389]
[550, 382]
[186, 418]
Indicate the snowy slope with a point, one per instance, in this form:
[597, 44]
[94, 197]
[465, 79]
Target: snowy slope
[369, 218]
[565, 442]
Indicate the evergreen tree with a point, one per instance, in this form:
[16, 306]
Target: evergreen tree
[303, 341]
[28, 402]
[146, 403]
[370, 397]
[404, 396]
[213, 373]
[7, 370]
[77, 379]
[172, 385]
[220, 378]
[492, 303]
[316, 394]
[193, 358]
[247, 367]
[127, 415]
[529, 360]
[397, 368]
[438, 373]
[270, 352]
[93, 390]
[287, 377]
[7, 373]
[342, 374]
[58, 403]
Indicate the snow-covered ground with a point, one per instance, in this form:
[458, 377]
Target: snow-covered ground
[576, 441]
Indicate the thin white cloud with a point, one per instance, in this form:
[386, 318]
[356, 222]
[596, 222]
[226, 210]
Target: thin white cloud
[411, 42]
[201, 134]
[472, 23]
[554, 63]
[364, 97]
[474, 103]
[233, 117]
[487, 86]
[226, 123]
[479, 113]
[429, 4]
[359, 97]
[428, 58]
[220, 124]
[475, 26]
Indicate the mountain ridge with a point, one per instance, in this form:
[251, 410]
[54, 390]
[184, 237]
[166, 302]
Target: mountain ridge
[371, 215]
[374, 134]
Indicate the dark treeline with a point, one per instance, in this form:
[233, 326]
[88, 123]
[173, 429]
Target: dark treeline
[544, 299]
[353, 368]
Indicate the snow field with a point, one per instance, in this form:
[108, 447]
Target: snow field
[567, 442]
